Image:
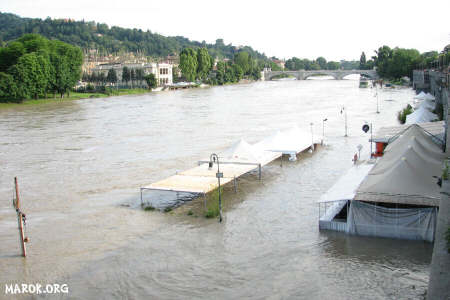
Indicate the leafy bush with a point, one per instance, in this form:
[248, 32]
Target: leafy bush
[149, 208]
[402, 114]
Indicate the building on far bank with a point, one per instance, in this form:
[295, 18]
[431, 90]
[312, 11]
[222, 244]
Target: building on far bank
[162, 71]
[278, 62]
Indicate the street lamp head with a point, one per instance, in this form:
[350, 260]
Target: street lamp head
[326, 119]
[212, 159]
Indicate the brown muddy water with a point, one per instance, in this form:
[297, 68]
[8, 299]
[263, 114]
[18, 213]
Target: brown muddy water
[80, 165]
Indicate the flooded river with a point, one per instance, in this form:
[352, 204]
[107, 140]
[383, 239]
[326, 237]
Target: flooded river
[80, 165]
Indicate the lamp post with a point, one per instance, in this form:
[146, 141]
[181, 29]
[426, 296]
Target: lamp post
[376, 95]
[366, 128]
[323, 129]
[212, 159]
[343, 110]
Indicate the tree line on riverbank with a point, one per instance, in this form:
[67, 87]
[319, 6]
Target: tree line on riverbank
[200, 65]
[136, 76]
[32, 67]
[398, 62]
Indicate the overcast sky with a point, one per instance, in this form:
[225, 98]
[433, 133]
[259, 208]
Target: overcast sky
[305, 29]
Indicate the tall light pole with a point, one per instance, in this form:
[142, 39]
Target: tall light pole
[376, 95]
[323, 129]
[212, 159]
[343, 110]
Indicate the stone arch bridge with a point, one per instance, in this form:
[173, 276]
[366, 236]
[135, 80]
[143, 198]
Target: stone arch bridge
[336, 74]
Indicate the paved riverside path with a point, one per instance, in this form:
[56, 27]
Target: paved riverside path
[439, 284]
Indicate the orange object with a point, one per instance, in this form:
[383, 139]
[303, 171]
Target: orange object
[379, 149]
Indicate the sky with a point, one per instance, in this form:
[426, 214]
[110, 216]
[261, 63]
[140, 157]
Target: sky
[306, 29]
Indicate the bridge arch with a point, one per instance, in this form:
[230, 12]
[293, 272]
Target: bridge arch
[336, 74]
[307, 76]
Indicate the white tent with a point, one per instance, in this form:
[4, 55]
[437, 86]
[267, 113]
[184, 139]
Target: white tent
[292, 141]
[405, 173]
[428, 104]
[343, 190]
[243, 152]
[421, 115]
[428, 96]
[402, 180]
[420, 96]
[424, 96]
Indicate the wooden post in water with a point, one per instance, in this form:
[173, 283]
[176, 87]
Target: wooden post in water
[20, 219]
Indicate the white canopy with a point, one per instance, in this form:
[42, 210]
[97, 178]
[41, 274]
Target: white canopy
[421, 115]
[242, 152]
[384, 134]
[424, 96]
[345, 187]
[428, 96]
[428, 104]
[420, 96]
[291, 141]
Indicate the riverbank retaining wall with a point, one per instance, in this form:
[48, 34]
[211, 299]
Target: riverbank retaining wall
[437, 82]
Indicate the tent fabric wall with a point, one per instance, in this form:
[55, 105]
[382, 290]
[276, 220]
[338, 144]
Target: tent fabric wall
[400, 223]
[421, 115]
[405, 173]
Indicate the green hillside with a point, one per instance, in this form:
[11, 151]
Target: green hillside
[92, 35]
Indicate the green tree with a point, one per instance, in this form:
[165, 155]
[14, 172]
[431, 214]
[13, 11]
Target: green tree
[188, 64]
[243, 60]
[112, 76]
[322, 62]
[10, 54]
[150, 79]
[175, 74]
[362, 61]
[8, 88]
[203, 63]
[140, 75]
[66, 61]
[31, 76]
[126, 75]
[333, 65]
[132, 77]
[220, 73]
[238, 72]
[382, 60]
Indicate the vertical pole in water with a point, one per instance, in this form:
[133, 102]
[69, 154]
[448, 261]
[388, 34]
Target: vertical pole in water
[220, 203]
[281, 160]
[370, 141]
[20, 219]
[259, 169]
[235, 184]
[142, 204]
[346, 123]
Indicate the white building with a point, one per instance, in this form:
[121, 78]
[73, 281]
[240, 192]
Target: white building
[162, 71]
